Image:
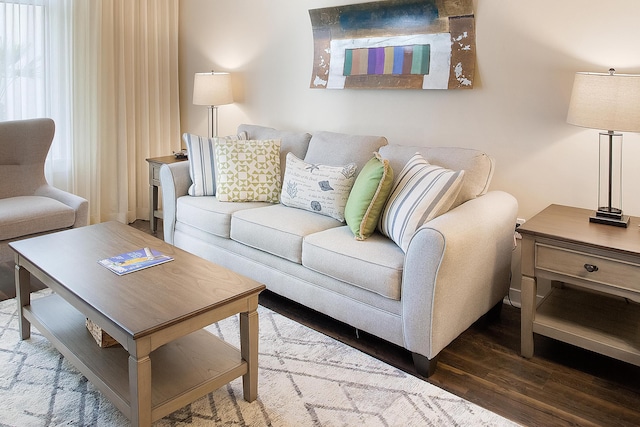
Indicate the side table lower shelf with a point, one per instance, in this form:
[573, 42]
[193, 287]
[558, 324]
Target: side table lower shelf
[182, 370]
[602, 323]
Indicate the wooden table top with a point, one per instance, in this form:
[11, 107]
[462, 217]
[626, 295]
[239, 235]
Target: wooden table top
[572, 225]
[141, 302]
[166, 159]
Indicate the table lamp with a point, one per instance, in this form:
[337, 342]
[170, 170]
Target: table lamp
[610, 102]
[212, 89]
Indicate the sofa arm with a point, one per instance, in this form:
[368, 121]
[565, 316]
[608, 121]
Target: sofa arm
[457, 267]
[79, 204]
[174, 182]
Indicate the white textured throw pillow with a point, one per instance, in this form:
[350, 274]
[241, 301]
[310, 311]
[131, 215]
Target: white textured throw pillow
[200, 152]
[422, 192]
[317, 188]
[248, 170]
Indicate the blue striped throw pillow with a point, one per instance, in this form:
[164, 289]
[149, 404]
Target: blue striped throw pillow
[201, 154]
[200, 151]
[422, 192]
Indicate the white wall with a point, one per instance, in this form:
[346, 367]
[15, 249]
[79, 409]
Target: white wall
[527, 54]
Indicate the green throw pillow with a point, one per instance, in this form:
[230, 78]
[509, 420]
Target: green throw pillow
[368, 196]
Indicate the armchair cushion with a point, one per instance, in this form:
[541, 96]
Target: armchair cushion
[25, 215]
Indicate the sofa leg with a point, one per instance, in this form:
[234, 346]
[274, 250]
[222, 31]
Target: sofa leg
[425, 366]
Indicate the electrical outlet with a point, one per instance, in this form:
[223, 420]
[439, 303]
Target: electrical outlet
[517, 236]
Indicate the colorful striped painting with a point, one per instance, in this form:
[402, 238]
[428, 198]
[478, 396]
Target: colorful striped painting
[395, 44]
[390, 60]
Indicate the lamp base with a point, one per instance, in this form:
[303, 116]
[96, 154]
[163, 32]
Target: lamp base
[610, 216]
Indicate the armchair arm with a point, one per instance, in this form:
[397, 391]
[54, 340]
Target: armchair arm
[79, 204]
[174, 182]
[456, 269]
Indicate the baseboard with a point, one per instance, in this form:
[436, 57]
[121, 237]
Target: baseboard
[514, 298]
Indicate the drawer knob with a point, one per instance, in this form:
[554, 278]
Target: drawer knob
[591, 268]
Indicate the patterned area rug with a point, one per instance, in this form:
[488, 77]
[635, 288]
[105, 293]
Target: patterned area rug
[305, 379]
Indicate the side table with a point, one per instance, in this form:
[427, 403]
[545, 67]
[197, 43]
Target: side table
[595, 273]
[154, 183]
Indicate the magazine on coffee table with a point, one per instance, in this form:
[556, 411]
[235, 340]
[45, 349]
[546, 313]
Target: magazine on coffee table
[129, 262]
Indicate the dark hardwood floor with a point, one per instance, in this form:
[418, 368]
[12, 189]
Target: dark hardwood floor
[560, 386]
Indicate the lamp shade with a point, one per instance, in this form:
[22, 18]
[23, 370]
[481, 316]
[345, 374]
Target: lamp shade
[606, 101]
[212, 89]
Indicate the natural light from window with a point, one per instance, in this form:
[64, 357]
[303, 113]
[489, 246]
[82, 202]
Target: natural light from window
[22, 59]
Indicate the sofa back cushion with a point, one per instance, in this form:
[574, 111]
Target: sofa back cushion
[290, 142]
[339, 149]
[478, 166]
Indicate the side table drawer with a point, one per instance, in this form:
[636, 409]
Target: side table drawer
[608, 271]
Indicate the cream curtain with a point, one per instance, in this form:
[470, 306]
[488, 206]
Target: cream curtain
[107, 72]
[126, 105]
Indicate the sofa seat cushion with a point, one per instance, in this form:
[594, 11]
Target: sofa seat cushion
[25, 215]
[209, 214]
[375, 264]
[278, 229]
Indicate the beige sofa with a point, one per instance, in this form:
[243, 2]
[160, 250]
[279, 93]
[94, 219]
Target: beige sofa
[29, 206]
[456, 267]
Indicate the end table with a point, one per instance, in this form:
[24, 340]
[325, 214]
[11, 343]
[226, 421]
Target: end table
[154, 183]
[594, 302]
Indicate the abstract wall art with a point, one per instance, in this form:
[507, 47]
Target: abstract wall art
[394, 44]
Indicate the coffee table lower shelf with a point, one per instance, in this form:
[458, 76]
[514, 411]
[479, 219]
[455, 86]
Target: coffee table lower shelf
[182, 370]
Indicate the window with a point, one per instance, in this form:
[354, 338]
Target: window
[23, 42]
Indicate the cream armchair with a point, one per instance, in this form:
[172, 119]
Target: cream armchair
[28, 204]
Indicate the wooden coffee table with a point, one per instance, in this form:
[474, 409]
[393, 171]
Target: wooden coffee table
[157, 314]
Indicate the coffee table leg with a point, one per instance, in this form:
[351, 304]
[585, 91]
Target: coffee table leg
[140, 390]
[249, 351]
[23, 296]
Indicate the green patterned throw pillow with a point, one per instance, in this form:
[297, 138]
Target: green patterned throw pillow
[248, 170]
[317, 188]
